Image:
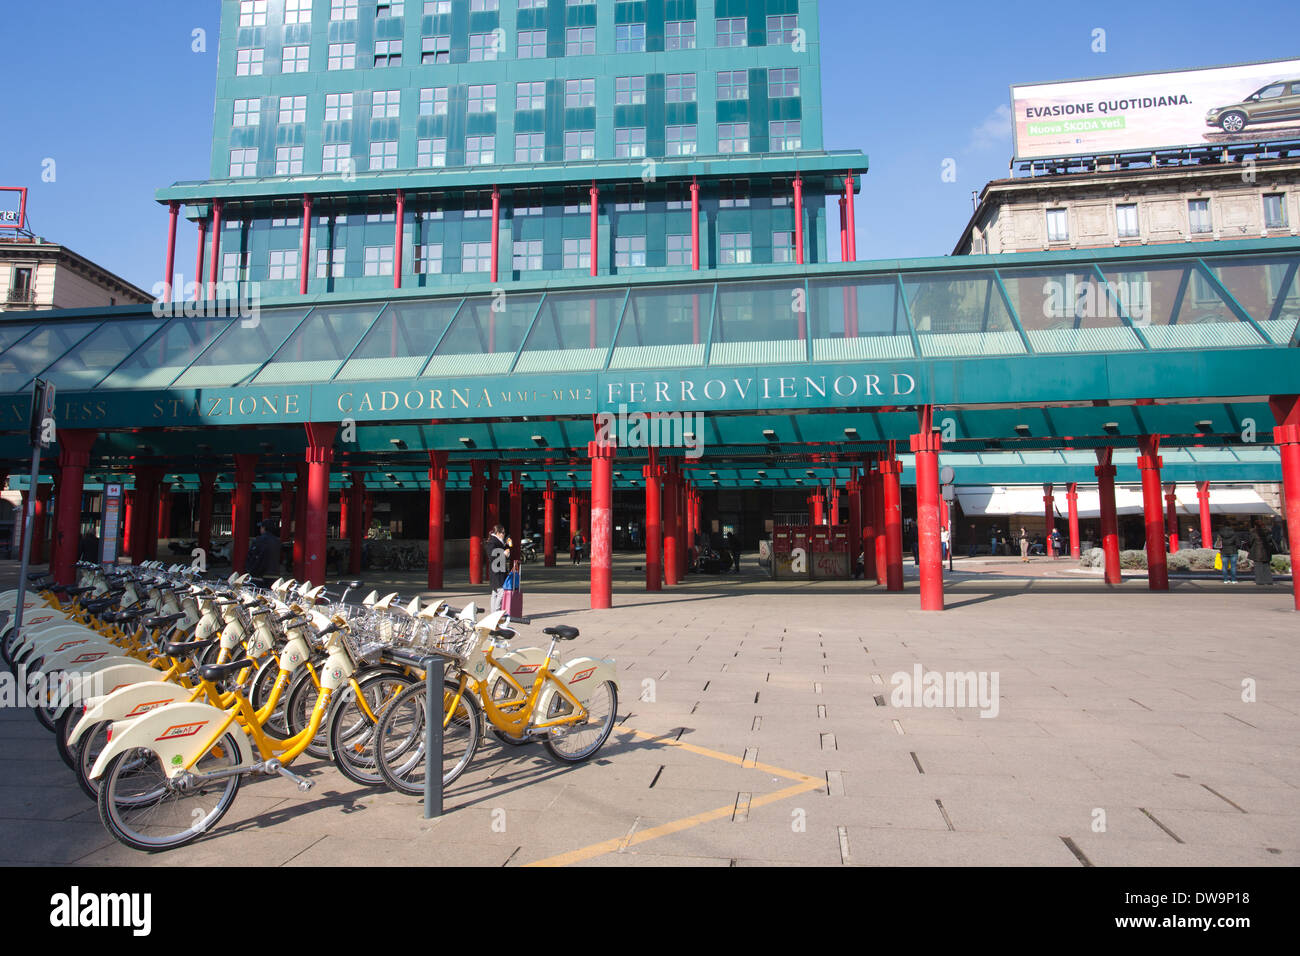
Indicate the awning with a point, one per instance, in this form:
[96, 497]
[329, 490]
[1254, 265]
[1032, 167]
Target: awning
[1027, 500]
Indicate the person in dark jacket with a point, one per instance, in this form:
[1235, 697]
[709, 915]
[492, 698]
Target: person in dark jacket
[498, 565]
[263, 561]
[1261, 553]
[1229, 541]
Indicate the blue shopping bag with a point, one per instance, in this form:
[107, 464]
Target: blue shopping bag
[512, 599]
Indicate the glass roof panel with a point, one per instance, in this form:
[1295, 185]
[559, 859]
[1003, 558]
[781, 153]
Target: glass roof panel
[1177, 307]
[9, 334]
[318, 347]
[1070, 310]
[858, 319]
[36, 351]
[100, 352]
[165, 355]
[573, 331]
[959, 314]
[485, 336]
[241, 349]
[758, 322]
[664, 327]
[399, 343]
[1267, 287]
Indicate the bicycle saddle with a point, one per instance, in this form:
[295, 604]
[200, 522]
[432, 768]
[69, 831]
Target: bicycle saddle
[219, 672]
[561, 632]
[162, 620]
[185, 648]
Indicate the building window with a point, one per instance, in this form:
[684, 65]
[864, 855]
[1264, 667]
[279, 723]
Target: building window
[381, 217]
[532, 44]
[530, 96]
[629, 90]
[379, 261]
[336, 158]
[385, 104]
[734, 194]
[733, 137]
[679, 88]
[577, 3]
[782, 247]
[629, 38]
[428, 259]
[528, 256]
[580, 41]
[479, 150]
[1275, 211]
[388, 53]
[577, 253]
[679, 35]
[476, 257]
[679, 197]
[482, 46]
[390, 8]
[283, 264]
[295, 59]
[784, 135]
[243, 162]
[783, 82]
[530, 147]
[532, 4]
[431, 153]
[234, 267]
[330, 263]
[288, 160]
[297, 11]
[252, 13]
[435, 50]
[1126, 220]
[629, 198]
[293, 109]
[342, 56]
[629, 252]
[579, 93]
[436, 8]
[247, 113]
[732, 31]
[679, 250]
[781, 30]
[338, 107]
[735, 248]
[680, 140]
[1198, 215]
[527, 202]
[580, 144]
[577, 199]
[433, 101]
[482, 6]
[482, 99]
[733, 85]
[383, 154]
[1058, 225]
[629, 143]
[248, 62]
[343, 9]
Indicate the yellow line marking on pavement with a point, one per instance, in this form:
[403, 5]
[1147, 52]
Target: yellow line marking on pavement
[618, 844]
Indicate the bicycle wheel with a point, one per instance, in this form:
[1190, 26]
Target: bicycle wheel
[581, 741]
[89, 747]
[300, 701]
[352, 733]
[399, 739]
[64, 725]
[259, 692]
[146, 811]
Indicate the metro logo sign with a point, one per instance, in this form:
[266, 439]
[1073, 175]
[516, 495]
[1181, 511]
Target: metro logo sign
[583, 675]
[181, 730]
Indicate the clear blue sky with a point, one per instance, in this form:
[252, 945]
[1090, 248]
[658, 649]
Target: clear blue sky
[123, 106]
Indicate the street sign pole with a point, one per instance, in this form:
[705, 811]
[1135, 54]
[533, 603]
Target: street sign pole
[42, 422]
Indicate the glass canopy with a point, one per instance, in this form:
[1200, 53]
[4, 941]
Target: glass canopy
[1074, 306]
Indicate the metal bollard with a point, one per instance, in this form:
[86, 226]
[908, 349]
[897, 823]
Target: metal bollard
[434, 669]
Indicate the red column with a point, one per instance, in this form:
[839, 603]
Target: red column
[139, 518]
[798, 224]
[1049, 518]
[207, 486]
[169, 270]
[493, 495]
[1171, 515]
[286, 512]
[1207, 527]
[437, 516]
[654, 529]
[476, 483]
[602, 516]
[74, 458]
[853, 227]
[844, 231]
[370, 511]
[695, 229]
[548, 525]
[345, 500]
[198, 260]
[320, 452]
[867, 521]
[357, 531]
[38, 523]
[214, 267]
[397, 250]
[496, 230]
[891, 472]
[818, 504]
[834, 494]
[595, 245]
[300, 525]
[1149, 462]
[164, 526]
[1286, 433]
[128, 519]
[241, 518]
[855, 518]
[1072, 497]
[682, 492]
[882, 533]
[305, 264]
[516, 514]
[925, 446]
[672, 570]
[1105, 472]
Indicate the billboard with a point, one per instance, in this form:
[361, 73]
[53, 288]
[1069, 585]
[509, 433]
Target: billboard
[1214, 106]
[13, 207]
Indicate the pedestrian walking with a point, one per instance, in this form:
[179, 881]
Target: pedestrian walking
[575, 547]
[262, 563]
[1261, 553]
[498, 565]
[1024, 545]
[1279, 537]
[993, 540]
[945, 541]
[1228, 543]
[1194, 536]
[1056, 542]
[972, 541]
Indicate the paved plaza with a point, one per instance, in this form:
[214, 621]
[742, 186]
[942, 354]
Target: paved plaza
[757, 726]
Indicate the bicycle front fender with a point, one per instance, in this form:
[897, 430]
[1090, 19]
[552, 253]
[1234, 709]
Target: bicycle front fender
[94, 684]
[177, 733]
[55, 639]
[127, 703]
[581, 676]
